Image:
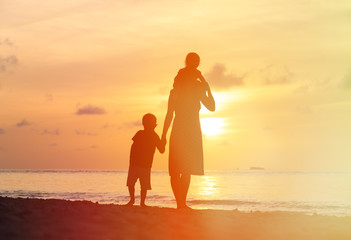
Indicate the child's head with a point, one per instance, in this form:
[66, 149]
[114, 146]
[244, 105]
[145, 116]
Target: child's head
[149, 121]
[192, 60]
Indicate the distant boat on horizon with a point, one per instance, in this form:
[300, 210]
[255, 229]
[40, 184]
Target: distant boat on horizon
[257, 168]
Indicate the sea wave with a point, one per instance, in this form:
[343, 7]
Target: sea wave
[63, 170]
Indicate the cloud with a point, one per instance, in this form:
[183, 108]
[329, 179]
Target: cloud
[346, 81]
[53, 132]
[302, 89]
[49, 97]
[53, 145]
[89, 109]
[6, 42]
[81, 132]
[23, 123]
[219, 79]
[164, 90]
[87, 148]
[132, 124]
[107, 125]
[223, 143]
[267, 128]
[3, 149]
[311, 85]
[6, 62]
[2, 131]
[303, 109]
[276, 74]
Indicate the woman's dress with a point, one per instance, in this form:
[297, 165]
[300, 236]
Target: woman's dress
[185, 146]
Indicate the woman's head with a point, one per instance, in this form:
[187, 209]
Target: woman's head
[192, 60]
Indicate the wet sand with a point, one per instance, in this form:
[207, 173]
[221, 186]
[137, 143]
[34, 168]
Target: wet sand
[59, 219]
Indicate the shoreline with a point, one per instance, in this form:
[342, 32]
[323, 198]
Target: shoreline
[30, 218]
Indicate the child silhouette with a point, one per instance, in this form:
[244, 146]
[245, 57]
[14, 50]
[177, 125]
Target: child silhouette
[141, 158]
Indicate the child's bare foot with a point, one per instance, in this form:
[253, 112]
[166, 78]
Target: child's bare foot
[143, 205]
[130, 203]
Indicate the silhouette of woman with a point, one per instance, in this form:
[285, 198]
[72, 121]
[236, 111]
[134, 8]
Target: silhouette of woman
[185, 146]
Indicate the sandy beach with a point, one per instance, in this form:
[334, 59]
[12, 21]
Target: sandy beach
[60, 219]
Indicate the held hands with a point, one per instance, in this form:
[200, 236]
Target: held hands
[162, 145]
[163, 141]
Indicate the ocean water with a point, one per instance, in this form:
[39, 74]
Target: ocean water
[325, 193]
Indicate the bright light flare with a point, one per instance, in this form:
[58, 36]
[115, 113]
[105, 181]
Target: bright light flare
[224, 99]
[212, 126]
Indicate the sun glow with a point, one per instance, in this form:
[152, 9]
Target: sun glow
[223, 99]
[212, 126]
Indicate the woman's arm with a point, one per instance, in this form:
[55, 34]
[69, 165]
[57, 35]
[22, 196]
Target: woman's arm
[168, 118]
[160, 146]
[207, 97]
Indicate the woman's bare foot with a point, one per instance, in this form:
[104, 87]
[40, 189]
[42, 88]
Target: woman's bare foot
[184, 206]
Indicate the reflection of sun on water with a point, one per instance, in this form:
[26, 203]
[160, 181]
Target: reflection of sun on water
[212, 126]
[208, 186]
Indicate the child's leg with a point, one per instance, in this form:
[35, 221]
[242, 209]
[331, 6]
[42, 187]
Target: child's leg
[142, 197]
[131, 194]
[131, 180]
[145, 184]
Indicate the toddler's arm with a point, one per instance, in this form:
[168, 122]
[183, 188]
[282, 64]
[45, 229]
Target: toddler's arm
[207, 97]
[202, 79]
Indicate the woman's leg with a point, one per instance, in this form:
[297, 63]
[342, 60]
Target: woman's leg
[175, 183]
[180, 185]
[184, 186]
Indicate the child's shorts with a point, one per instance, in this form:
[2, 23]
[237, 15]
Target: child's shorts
[142, 173]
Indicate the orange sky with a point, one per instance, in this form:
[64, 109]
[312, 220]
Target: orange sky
[77, 76]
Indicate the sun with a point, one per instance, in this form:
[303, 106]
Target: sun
[212, 126]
